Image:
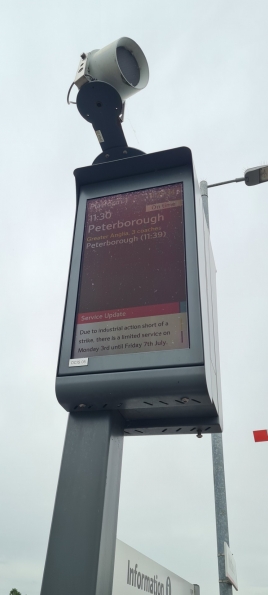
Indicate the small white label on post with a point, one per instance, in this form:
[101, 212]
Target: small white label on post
[83, 361]
[230, 566]
[99, 136]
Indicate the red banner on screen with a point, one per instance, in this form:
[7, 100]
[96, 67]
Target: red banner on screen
[125, 313]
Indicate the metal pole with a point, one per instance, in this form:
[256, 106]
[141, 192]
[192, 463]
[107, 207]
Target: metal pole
[225, 587]
[227, 182]
[81, 548]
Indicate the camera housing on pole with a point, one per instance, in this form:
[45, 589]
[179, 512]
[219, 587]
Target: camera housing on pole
[122, 64]
[105, 79]
[140, 324]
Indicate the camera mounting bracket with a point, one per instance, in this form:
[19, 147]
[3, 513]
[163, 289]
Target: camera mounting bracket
[100, 104]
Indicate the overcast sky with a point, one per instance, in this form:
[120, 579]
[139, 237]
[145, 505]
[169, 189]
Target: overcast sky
[208, 91]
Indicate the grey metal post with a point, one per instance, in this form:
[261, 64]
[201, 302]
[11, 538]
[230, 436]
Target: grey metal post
[81, 548]
[225, 587]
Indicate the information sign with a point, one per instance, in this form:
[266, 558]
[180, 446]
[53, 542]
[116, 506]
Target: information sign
[140, 323]
[135, 573]
[132, 294]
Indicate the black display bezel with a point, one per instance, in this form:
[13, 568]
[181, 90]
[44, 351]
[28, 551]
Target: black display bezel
[172, 358]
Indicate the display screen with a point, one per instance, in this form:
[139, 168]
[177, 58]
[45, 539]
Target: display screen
[132, 293]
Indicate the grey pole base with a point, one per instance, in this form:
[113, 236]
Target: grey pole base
[81, 548]
[221, 510]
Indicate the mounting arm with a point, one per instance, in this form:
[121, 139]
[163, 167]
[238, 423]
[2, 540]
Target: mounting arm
[100, 104]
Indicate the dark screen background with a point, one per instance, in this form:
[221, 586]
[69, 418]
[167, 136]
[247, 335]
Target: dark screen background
[142, 273]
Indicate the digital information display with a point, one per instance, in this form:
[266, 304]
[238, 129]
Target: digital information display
[132, 294]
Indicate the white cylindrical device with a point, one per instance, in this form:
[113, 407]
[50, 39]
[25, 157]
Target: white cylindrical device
[122, 64]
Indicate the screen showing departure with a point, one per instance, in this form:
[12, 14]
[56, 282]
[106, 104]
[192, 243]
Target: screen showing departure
[132, 293]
